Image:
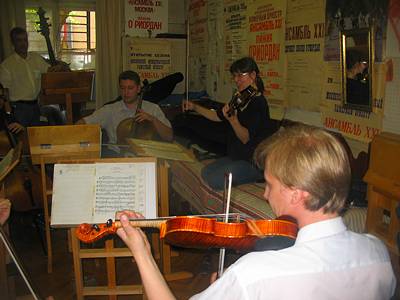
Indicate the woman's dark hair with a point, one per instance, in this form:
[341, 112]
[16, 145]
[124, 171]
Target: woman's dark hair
[248, 65]
[131, 75]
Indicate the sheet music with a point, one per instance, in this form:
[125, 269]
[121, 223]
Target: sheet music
[92, 193]
[118, 187]
[72, 193]
[157, 145]
[160, 150]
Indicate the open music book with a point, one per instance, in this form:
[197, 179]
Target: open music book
[93, 192]
[158, 149]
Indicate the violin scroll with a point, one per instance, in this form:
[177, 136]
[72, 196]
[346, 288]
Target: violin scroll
[240, 100]
[90, 233]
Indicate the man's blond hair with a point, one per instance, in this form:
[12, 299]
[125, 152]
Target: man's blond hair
[310, 159]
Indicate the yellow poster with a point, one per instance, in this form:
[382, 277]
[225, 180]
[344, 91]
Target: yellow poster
[235, 31]
[198, 34]
[304, 44]
[151, 58]
[265, 44]
[359, 125]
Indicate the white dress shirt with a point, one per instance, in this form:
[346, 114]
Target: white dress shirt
[109, 116]
[327, 262]
[23, 76]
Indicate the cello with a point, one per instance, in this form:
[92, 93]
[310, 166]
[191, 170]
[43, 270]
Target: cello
[129, 128]
[23, 184]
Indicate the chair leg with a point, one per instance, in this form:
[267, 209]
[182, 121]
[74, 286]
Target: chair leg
[40, 229]
[46, 217]
[49, 250]
[48, 238]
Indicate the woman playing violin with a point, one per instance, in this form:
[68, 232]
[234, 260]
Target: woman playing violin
[247, 128]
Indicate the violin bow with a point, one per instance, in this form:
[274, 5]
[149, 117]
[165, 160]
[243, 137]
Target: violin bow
[228, 203]
[24, 274]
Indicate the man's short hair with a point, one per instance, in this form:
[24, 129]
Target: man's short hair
[131, 75]
[310, 159]
[16, 31]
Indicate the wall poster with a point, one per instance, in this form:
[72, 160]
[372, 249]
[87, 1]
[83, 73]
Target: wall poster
[304, 40]
[265, 45]
[235, 32]
[146, 18]
[151, 58]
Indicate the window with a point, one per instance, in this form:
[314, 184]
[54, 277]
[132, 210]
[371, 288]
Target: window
[37, 42]
[75, 38]
[78, 38]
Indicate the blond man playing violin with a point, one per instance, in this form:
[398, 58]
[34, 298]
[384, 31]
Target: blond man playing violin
[307, 176]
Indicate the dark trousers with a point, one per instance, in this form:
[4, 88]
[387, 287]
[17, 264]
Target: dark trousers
[26, 113]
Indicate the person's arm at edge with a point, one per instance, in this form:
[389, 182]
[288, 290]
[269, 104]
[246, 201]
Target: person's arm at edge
[165, 132]
[205, 112]
[152, 279]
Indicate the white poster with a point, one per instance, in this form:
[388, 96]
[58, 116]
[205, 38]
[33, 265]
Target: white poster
[146, 18]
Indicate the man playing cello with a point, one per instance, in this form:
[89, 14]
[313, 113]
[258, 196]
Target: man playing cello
[110, 115]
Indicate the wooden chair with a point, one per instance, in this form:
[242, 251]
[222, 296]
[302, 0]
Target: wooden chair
[50, 144]
[384, 190]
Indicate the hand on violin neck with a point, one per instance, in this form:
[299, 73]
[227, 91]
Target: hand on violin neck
[133, 237]
[229, 114]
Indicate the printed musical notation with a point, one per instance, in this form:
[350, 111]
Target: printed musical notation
[123, 189]
[92, 193]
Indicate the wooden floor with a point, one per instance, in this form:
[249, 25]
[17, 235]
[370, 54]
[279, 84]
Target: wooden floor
[60, 283]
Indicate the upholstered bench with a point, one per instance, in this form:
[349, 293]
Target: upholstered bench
[246, 199]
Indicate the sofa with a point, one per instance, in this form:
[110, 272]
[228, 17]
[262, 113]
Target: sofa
[247, 199]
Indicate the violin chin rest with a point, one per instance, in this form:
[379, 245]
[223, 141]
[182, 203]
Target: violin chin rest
[276, 242]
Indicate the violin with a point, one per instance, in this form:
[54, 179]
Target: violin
[240, 99]
[129, 128]
[199, 232]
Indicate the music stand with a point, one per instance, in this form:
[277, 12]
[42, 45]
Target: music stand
[49, 144]
[66, 88]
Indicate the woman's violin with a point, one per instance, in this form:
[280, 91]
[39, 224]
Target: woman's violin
[240, 99]
[200, 232]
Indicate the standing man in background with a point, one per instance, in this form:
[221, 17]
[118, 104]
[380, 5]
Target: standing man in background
[21, 74]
